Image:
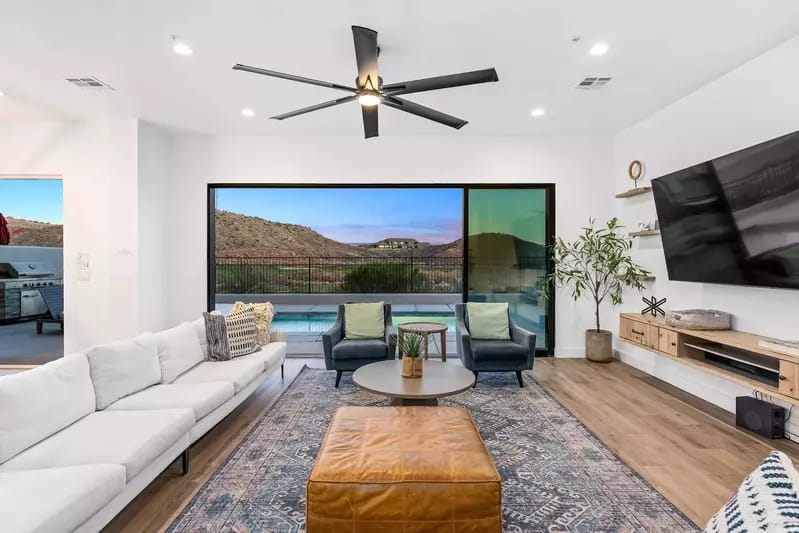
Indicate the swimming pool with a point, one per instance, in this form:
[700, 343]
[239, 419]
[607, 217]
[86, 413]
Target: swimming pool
[305, 323]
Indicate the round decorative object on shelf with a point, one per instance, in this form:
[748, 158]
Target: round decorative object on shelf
[635, 171]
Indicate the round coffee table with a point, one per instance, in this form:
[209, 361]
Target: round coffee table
[425, 329]
[438, 380]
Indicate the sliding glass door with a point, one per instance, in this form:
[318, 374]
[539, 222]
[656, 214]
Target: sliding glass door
[509, 230]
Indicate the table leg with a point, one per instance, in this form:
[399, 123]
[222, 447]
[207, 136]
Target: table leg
[426, 344]
[444, 346]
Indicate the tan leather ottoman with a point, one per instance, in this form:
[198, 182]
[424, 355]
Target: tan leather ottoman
[403, 469]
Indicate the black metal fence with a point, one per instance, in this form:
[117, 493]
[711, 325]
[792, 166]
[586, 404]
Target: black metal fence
[317, 275]
[322, 275]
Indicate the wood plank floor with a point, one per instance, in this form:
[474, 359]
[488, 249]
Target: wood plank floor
[686, 448]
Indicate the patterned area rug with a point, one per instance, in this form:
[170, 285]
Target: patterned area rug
[556, 475]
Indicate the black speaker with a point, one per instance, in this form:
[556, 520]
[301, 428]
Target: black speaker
[762, 417]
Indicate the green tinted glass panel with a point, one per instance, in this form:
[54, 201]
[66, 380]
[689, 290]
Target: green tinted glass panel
[507, 237]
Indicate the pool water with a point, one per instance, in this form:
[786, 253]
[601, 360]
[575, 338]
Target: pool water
[305, 323]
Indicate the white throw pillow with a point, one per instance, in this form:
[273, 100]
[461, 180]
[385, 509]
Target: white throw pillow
[199, 330]
[178, 351]
[37, 403]
[124, 367]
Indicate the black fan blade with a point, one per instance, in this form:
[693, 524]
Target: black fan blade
[316, 107]
[424, 112]
[442, 82]
[366, 56]
[292, 77]
[369, 121]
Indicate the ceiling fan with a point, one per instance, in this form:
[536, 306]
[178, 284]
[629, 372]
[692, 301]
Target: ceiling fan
[370, 90]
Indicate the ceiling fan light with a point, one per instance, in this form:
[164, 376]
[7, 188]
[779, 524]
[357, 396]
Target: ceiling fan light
[369, 99]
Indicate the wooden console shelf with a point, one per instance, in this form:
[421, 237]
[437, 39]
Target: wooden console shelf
[733, 355]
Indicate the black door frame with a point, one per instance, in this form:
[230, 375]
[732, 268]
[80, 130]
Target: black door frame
[549, 189]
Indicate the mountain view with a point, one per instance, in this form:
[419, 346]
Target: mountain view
[34, 233]
[240, 235]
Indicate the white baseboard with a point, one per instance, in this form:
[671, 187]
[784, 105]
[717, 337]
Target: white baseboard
[570, 353]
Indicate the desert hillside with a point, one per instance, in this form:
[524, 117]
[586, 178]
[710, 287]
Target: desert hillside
[240, 235]
[33, 233]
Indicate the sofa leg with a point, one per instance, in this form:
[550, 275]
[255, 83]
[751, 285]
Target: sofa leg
[475, 378]
[184, 462]
[519, 377]
[338, 377]
[282, 373]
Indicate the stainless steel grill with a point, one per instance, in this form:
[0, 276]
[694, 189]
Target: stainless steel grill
[19, 289]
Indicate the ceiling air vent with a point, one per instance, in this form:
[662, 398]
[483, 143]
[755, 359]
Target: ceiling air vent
[90, 83]
[593, 83]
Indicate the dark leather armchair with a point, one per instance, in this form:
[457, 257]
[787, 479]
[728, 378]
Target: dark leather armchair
[350, 354]
[512, 355]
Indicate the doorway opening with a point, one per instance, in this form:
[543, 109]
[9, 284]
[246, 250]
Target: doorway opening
[31, 271]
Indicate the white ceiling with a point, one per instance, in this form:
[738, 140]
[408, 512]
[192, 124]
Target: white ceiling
[659, 51]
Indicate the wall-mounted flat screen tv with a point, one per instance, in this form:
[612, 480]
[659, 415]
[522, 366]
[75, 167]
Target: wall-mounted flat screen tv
[735, 219]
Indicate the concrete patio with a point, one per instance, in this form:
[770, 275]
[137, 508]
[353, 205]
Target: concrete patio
[20, 345]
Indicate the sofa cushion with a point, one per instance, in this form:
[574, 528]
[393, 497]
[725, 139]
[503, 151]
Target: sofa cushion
[202, 398]
[272, 354]
[39, 402]
[124, 367]
[364, 321]
[178, 351]
[766, 500]
[199, 331]
[488, 321]
[360, 349]
[497, 350]
[240, 372]
[54, 500]
[133, 439]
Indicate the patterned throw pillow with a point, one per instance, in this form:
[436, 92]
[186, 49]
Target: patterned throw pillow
[230, 336]
[264, 313]
[766, 501]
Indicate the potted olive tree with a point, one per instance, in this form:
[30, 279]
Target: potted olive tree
[598, 264]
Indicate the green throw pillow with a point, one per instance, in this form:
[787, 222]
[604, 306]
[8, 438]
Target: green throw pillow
[488, 321]
[364, 321]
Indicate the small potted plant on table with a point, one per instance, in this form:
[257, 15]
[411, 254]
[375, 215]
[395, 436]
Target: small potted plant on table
[410, 347]
[597, 263]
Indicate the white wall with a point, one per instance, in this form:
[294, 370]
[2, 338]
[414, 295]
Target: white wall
[751, 104]
[97, 162]
[581, 168]
[154, 172]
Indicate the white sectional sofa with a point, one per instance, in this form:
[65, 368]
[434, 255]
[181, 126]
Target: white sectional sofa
[82, 436]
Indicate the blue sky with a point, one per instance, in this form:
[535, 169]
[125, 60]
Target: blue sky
[356, 215]
[40, 200]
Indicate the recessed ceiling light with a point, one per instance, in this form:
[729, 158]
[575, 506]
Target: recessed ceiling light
[181, 47]
[247, 112]
[2, 94]
[538, 112]
[599, 49]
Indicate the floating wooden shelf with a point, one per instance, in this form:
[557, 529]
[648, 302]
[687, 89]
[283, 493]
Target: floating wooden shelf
[634, 192]
[648, 278]
[647, 233]
[705, 349]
